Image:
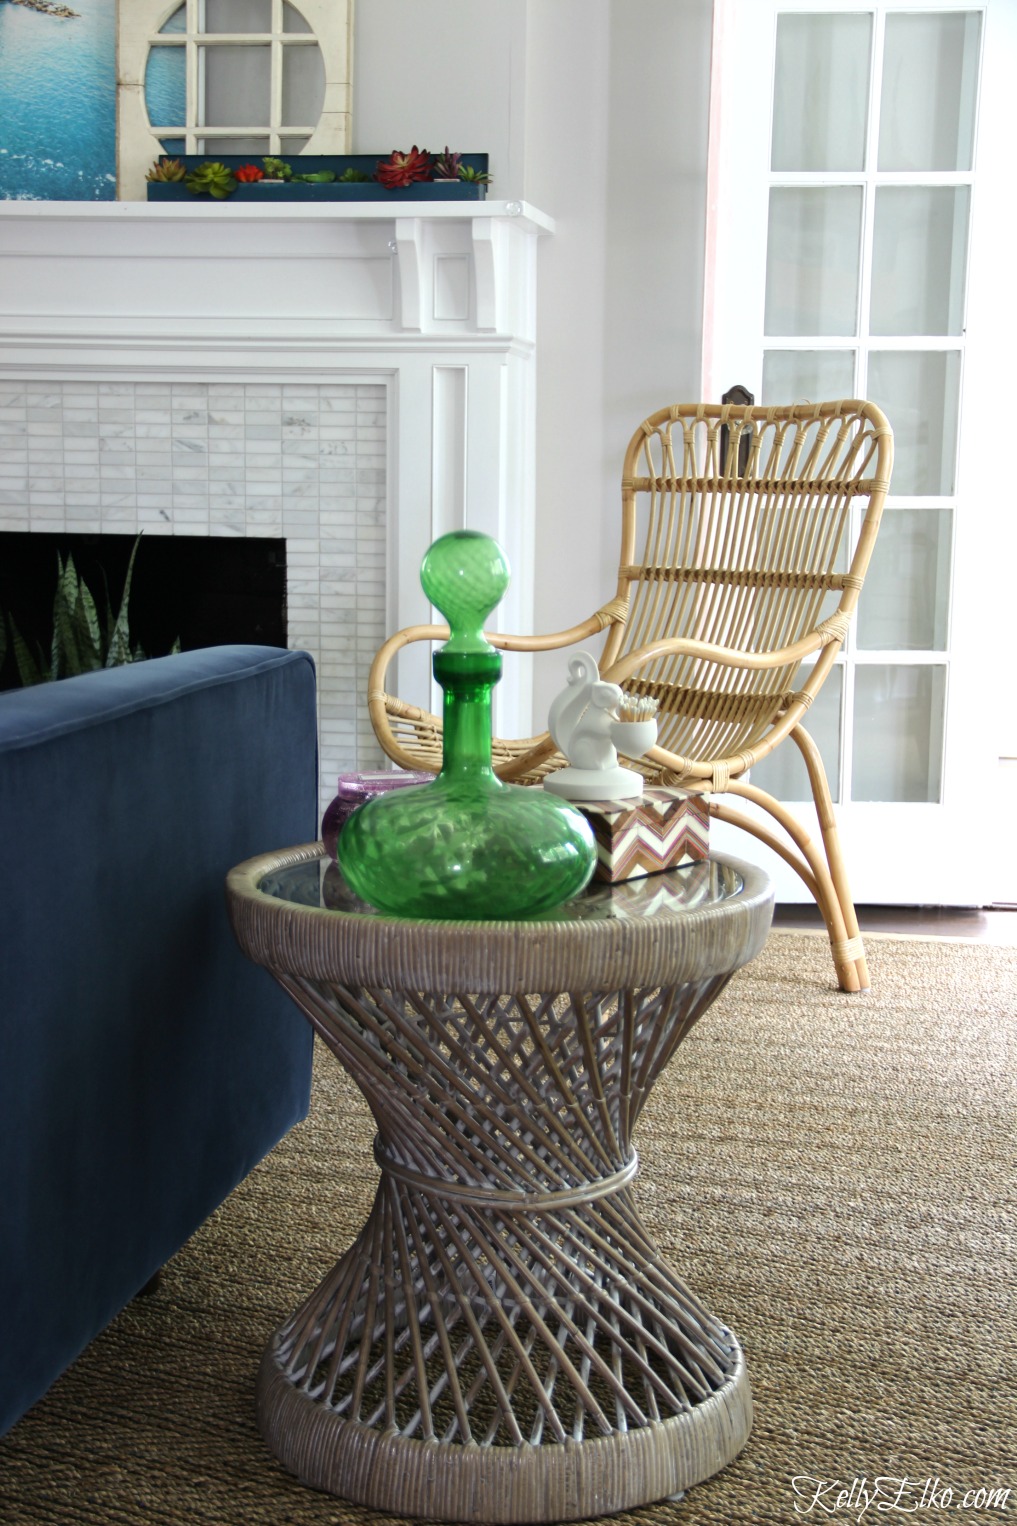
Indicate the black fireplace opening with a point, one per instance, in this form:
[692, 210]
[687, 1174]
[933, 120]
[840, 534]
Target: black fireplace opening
[201, 590]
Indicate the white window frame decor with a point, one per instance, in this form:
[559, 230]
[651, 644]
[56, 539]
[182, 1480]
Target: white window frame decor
[138, 31]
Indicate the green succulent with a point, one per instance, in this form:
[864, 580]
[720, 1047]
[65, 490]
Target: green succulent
[474, 177]
[277, 169]
[317, 177]
[82, 642]
[167, 170]
[353, 177]
[211, 179]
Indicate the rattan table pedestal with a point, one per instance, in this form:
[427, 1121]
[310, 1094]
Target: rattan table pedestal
[503, 1342]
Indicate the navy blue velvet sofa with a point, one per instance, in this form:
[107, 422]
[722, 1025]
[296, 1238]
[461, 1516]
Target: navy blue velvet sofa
[145, 1064]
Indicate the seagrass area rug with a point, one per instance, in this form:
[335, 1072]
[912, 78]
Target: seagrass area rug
[833, 1175]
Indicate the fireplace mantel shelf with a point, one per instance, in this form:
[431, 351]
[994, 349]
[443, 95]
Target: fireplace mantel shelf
[198, 212]
[122, 283]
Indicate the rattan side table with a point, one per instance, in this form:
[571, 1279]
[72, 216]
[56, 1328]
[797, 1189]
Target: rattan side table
[503, 1342]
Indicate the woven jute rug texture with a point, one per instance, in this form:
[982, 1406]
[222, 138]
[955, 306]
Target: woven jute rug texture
[834, 1176]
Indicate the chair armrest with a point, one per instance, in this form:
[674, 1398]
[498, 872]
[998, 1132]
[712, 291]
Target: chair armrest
[384, 707]
[381, 706]
[376, 692]
[610, 614]
[728, 657]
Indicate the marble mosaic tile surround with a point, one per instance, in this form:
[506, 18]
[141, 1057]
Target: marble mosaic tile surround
[304, 461]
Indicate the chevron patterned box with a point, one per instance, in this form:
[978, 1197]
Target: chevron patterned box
[662, 829]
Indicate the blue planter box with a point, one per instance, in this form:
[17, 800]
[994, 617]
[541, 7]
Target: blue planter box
[267, 194]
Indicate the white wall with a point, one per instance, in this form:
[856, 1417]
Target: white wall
[568, 156]
[617, 110]
[437, 72]
[596, 112]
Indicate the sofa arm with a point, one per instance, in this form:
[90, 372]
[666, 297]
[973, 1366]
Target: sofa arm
[145, 1065]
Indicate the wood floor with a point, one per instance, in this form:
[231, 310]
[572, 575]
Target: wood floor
[989, 925]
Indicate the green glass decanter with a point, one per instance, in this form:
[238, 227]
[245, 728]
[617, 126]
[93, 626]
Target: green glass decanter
[467, 846]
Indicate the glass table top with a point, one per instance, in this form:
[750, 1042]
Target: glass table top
[675, 892]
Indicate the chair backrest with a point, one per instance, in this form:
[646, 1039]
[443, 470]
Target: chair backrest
[755, 551]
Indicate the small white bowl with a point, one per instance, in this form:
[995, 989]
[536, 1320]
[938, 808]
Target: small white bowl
[633, 738]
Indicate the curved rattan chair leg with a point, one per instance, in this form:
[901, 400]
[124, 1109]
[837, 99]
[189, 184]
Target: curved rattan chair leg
[831, 842]
[747, 824]
[818, 879]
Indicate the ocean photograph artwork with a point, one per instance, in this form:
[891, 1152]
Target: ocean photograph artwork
[57, 100]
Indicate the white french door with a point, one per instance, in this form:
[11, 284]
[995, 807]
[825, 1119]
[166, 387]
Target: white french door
[860, 245]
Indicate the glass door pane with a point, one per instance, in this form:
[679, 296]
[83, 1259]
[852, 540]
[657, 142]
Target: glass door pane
[812, 260]
[906, 601]
[783, 774]
[807, 376]
[821, 92]
[919, 259]
[929, 90]
[898, 732]
[918, 390]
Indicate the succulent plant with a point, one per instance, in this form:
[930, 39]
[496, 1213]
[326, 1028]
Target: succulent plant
[472, 176]
[249, 174]
[277, 169]
[211, 179]
[167, 170]
[404, 169]
[353, 177]
[84, 639]
[446, 165]
[316, 177]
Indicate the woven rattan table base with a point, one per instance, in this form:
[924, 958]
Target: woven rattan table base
[575, 1481]
[490, 1349]
[503, 1342]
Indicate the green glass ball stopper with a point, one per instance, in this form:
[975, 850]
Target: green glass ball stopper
[465, 575]
[466, 847]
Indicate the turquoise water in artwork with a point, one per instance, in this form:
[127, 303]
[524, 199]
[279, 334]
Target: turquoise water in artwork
[58, 103]
[165, 90]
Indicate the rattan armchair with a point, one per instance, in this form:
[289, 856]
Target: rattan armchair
[746, 534]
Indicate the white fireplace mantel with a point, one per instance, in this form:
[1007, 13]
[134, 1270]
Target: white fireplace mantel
[438, 302]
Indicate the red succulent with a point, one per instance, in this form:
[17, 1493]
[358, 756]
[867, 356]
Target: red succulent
[403, 169]
[248, 173]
